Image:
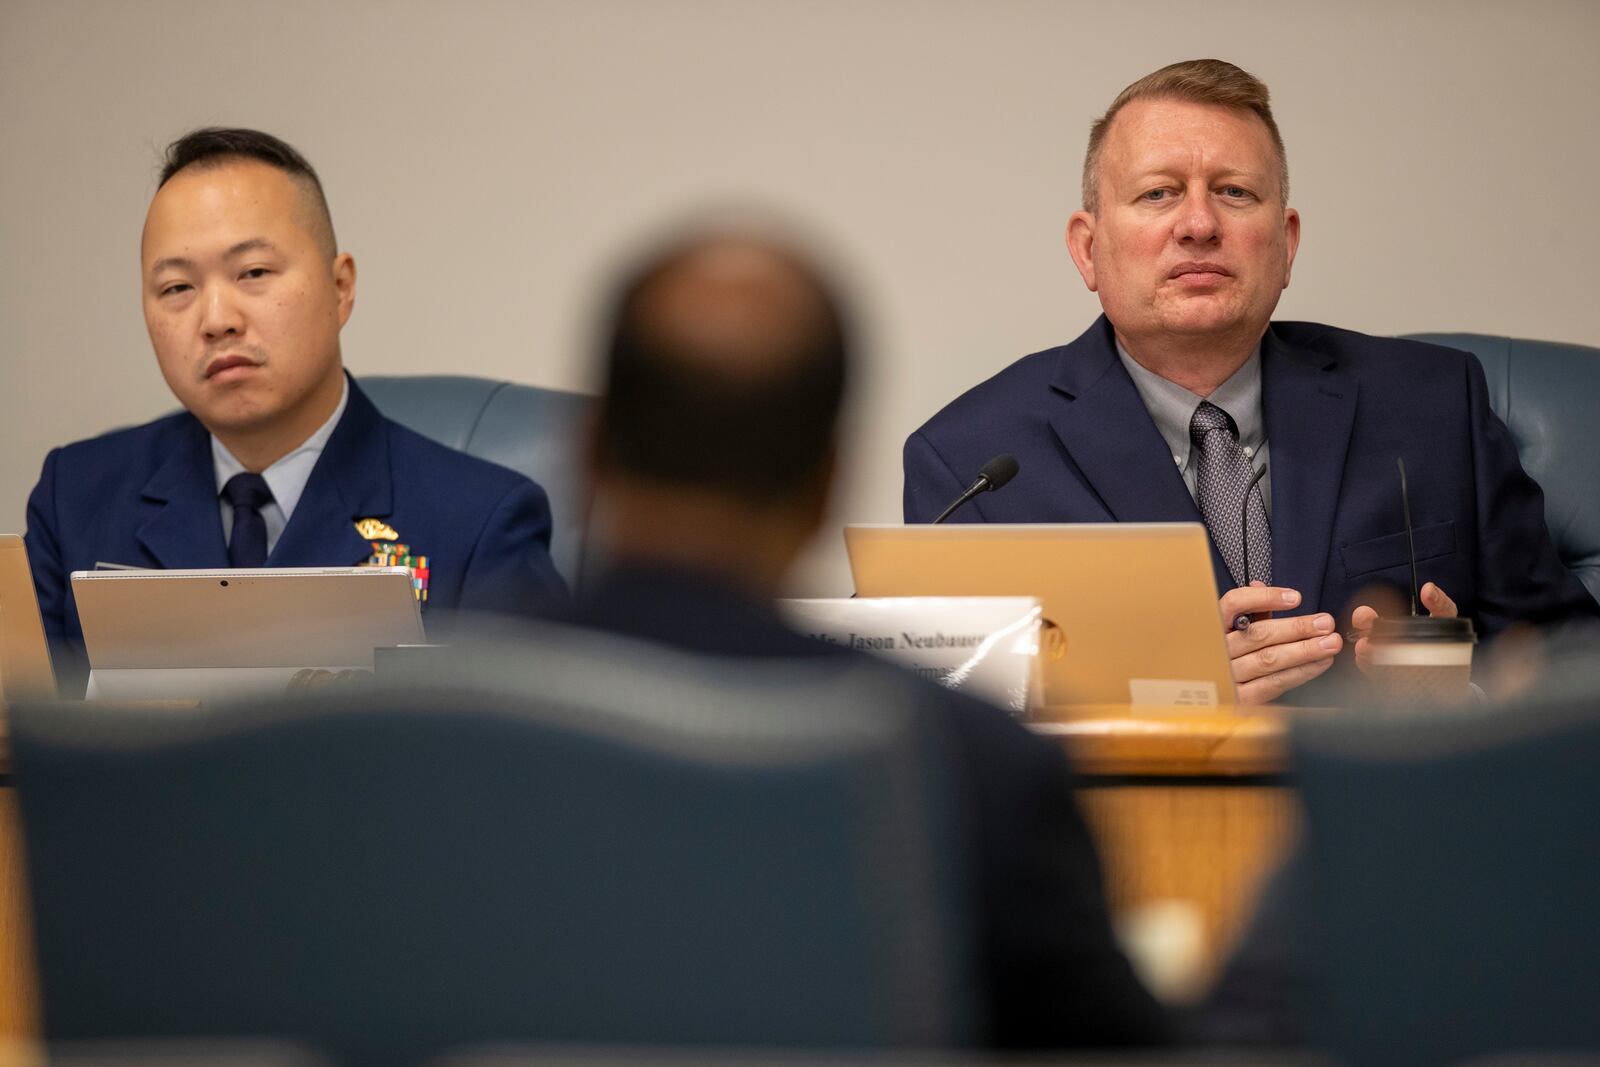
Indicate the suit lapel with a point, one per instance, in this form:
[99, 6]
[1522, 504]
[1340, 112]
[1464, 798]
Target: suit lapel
[1309, 408]
[1106, 429]
[351, 481]
[182, 521]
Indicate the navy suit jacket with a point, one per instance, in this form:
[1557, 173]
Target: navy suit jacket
[1339, 408]
[147, 497]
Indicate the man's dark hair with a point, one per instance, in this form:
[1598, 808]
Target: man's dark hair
[216, 146]
[731, 389]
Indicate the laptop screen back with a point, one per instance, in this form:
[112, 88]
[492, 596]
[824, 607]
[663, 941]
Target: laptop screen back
[1130, 609]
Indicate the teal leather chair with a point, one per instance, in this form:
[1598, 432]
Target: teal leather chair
[1549, 396]
[535, 431]
[594, 841]
[1451, 864]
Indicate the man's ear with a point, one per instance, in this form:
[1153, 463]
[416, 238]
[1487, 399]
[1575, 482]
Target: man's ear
[344, 281]
[1080, 242]
[1291, 239]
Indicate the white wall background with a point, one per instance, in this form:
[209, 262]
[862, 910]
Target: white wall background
[488, 162]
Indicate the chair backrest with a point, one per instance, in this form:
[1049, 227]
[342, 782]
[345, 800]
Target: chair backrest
[654, 849]
[201, 1053]
[1548, 394]
[1452, 865]
[532, 430]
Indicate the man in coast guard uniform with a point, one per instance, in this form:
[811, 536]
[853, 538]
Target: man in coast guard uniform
[1184, 391]
[279, 458]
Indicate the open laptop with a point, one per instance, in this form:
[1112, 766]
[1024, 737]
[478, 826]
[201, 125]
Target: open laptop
[198, 634]
[1130, 609]
[25, 672]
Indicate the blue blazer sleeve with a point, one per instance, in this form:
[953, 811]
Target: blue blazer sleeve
[509, 570]
[930, 485]
[46, 560]
[44, 551]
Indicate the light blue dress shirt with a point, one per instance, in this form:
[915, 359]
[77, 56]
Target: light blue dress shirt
[286, 478]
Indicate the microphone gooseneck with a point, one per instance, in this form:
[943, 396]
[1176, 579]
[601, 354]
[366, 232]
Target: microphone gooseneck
[994, 474]
[1244, 520]
[1411, 544]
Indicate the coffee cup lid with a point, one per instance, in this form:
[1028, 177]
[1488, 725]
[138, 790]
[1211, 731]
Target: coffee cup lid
[1423, 628]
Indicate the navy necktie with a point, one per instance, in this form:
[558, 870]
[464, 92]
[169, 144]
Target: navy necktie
[248, 493]
[1221, 473]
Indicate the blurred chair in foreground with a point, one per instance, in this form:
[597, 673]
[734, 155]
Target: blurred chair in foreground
[579, 1057]
[1450, 880]
[198, 1053]
[644, 852]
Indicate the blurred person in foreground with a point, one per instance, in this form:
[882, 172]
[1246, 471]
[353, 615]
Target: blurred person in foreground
[710, 463]
[278, 458]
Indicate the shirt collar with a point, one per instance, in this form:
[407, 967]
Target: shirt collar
[1171, 406]
[288, 476]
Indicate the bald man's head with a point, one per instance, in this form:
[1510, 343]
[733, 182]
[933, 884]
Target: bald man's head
[726, 368]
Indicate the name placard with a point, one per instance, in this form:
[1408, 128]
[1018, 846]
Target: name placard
[985, 646]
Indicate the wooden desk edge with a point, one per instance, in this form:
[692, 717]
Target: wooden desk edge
[1123, 740]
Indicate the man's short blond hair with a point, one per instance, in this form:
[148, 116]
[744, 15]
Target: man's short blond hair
[1200, 81]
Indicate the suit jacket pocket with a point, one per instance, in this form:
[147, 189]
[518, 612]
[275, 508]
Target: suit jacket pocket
[1389, 551]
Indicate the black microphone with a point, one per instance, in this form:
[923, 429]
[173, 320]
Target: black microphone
[995, 473]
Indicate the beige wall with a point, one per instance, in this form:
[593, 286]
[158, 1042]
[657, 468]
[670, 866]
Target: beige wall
[487, 161]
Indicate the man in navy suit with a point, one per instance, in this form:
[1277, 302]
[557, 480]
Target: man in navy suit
[279, 459]
[1184, 389]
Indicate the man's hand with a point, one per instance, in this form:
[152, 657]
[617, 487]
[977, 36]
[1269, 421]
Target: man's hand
[1361, 620]
[1272, 656]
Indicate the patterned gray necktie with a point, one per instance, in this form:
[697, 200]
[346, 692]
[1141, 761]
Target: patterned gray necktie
[1221, 473]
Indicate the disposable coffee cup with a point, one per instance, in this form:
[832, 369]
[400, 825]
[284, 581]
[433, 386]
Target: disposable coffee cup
[1422, 659]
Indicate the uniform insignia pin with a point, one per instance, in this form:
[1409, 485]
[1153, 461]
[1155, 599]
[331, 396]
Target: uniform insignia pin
[376, 529]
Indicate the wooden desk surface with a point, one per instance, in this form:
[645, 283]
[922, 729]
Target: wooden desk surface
[1185, 805]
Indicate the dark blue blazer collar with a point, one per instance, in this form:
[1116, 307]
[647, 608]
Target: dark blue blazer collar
[352, 480]
[689, 609]
[1309, 409]
[181, 526]
[1111, 438]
